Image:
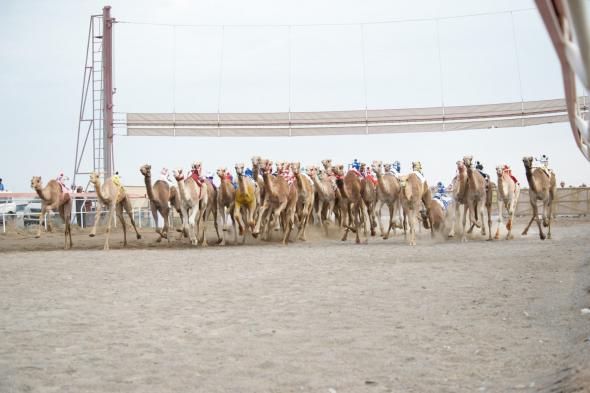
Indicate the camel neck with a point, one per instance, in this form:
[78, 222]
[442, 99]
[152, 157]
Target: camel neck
[267, 183]
[41, 193]
[531, 179]
[381, 181]
[98, 190]
[148, 187]
[340, 184]
[241, 184]
[181, 187]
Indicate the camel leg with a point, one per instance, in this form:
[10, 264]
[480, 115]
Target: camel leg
[193, 227]
[202, 225]
[239, 221]
[550, 218]
[378, 208]
[261, 214]
[412, 222]
[122, 219]
[277, 217]
[536, 216]
[223, 224]
[481, 208]
[185, 223]
[41, 220]
[96, 219]
[289, 221]
[464, 234]
[511, 214]
[127, 206]
[500, 208]
[234, 222]
[154, 210]
[456, 218]
[215, 224]
[489, 210]
[526, 229]
[166, 229]
[109, 221]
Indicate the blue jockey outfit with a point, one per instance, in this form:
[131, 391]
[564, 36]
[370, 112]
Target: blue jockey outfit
[441, 197]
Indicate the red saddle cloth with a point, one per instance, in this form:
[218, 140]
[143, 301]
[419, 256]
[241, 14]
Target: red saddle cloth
[514, 178]
[372, 179]
[196, 178]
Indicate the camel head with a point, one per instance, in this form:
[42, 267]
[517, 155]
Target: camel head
[362, 167]
[266, 166]
[94, 178]
[256, 161]
[467, 160]
[460, 166]
[36, 182]
[239, 168]
[387, 168]
[500, 169]
[338, 170]
[376, 166]
[221, 171]
[296, 167]
[528, 162]
[312, 170]
[146, 170]
[178, 175]
[327, 163]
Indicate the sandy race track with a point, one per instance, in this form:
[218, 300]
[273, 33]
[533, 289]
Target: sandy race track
[322, 316]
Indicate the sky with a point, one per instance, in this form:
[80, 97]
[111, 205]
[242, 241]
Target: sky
[248, 66]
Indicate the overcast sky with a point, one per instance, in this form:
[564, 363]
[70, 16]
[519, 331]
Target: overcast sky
[161, 69]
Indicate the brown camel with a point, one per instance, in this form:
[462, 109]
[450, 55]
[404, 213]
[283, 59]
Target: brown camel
[259, 182]
[279, 204]
[112, 195]
[350, 187]
[326, 195]
[434, 217]
[226, 201]
[53, 198]
[339, 205]
[508, 192]
[476, 199]
[388, 194]
[208, 208]
[542, 187]
[306, 198]
[162, 197]
[245, 203]
[369, 193]
[459, 185]
[414, 193]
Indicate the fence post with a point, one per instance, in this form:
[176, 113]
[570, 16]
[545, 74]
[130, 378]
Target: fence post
[3, 222]
[139, 217]
[45, 221]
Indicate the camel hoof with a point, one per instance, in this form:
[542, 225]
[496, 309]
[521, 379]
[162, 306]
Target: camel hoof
[90, 234]
[37, 236]
[159, 240]
[497, 237]
[509, 237]
[138, 236]
[542, 236]
[549, 236]
[524, 233]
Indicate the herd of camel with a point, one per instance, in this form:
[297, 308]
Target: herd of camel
[288, 198]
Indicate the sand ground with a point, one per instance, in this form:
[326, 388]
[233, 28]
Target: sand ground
[321, 316]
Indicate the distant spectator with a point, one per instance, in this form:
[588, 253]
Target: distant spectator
[562, 184]
[1, 185]
[79, 206]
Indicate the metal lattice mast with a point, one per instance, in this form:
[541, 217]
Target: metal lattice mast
[95, 122]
